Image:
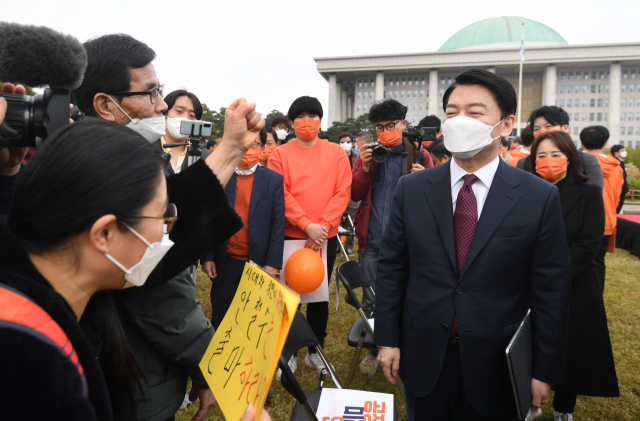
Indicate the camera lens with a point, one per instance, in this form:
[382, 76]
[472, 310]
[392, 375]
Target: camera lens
[380, 154]
[20, 113]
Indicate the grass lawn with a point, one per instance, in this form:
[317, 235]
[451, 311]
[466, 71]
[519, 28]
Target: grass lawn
[622, 298]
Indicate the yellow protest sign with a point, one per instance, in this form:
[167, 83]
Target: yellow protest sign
[243, 354]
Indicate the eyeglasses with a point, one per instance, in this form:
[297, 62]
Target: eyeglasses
[154, 93]
[255, 145]
[345, 141]
[388, 127]
[170, 216]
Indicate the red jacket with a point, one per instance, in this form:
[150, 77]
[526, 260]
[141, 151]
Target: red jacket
[361, 191]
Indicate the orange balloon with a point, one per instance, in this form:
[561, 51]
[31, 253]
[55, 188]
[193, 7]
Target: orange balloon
[304, 271]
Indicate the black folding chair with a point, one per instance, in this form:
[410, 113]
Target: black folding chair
[300, 336]
[344, 232]
[361, 334]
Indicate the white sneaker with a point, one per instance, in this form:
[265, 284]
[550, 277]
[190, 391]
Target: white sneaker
[560, 416]
[532, 415]
[314, 361]
[186, 402]
[369, 364]
[293, 365]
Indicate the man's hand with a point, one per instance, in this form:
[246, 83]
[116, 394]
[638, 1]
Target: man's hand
[416, 167]
[206, 401]
[10, 158]
[627, 194]
[210, 269]
[250, 414]
[242, 124]
[366, 155]
[317, 233]
[540, 392]
[389, 359]
[270, 270]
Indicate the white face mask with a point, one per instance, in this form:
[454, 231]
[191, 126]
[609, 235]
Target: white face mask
[464, 136]
[173, 124]
[137, 275]
[346, 147]
[151, 128]
[623, 154]
[282, 134]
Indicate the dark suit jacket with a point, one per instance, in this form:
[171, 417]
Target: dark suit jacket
[266, 220]
[518, 259]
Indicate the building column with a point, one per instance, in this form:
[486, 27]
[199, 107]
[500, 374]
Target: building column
[491, 69]
[343, 106]
[379, 91]
[550, 85]
[338, 114]
[349, 106]
[434, 95]
[333, 100]
[615, 79]
[544, 87]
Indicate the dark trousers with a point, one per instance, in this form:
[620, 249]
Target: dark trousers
[448, 400]
[564, 402]
[598, 261]
[224, 287]
[318, 313]
[621, 203]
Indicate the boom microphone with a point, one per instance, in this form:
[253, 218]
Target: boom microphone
[37, 56]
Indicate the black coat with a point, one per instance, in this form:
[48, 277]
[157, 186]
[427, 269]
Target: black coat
[589, 368]
[36, 382]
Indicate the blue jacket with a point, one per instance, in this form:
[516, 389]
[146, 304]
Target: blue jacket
[518, 259]
[266, 220]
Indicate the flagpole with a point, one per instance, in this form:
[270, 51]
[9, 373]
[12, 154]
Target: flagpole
[520, 79]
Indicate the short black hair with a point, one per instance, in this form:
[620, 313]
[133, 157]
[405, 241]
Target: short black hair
[554, 115]
[109, 58]
[594, 137]
[616, 148]
[279, 120]
[506, 142]
[211, 143]
[526, 136]
[387, 110]
[305, 104]
[263, 136]
[345, 134]
[288, 138]
[431, 121]
[273, 133]
[438, 149]
[324, 136]
[501, 89]
[173, 96]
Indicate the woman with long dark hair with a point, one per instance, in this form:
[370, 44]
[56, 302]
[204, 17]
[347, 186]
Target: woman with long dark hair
[589, 368]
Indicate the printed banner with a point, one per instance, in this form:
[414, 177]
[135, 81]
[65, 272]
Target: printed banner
[354, 405]
[244, 352]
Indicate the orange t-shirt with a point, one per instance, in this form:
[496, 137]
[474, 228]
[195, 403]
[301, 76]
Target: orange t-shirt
[516, 154]
[613, 181]
[238, 245]
[317, 185]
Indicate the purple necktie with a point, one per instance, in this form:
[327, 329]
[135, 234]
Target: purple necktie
[465, 219]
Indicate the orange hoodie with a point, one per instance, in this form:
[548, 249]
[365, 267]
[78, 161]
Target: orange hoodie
[516, 154]
[317, 185]
[613, 181]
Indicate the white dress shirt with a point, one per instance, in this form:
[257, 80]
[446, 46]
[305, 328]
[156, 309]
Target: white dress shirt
[480, 188]
[247, 172]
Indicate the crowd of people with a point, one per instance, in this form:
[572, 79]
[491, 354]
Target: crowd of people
[459, 238]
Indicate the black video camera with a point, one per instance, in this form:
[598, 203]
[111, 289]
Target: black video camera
[380, 152]
[421, 134]
[31, 119]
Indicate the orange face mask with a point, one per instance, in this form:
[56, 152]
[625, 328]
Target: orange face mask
[426, 143]
[545, 131]
[250, 158]
[266, 153]
[307, 129]
[551, 169]
[390, 138]
[501, 151]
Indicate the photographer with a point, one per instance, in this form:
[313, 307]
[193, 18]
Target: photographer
[431, 121]
[120, 85]
[388, 117]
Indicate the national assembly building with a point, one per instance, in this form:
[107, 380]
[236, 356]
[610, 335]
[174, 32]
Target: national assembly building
[597, 84]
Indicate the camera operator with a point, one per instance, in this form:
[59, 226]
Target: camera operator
[10, 158]
[180, 105]
[388, 117]
[431, 121]
[120, 85]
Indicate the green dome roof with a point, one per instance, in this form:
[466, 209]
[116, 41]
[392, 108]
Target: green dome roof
[499, 30]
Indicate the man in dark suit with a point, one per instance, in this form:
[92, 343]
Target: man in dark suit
[469, 247]
[618, 152]
[257, 194]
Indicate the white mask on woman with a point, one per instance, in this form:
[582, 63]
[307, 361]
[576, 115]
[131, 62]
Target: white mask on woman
[137, 275]
[464, 136]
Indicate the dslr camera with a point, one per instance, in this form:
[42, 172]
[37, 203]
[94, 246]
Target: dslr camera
[380, 152]
[421, 134]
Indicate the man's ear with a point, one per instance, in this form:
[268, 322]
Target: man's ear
[404, 125]
[508, 126]
[101, 234]
[565, 128]
[103, 107]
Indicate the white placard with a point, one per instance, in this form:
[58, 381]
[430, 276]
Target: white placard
[322, 293]
[354, 404]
